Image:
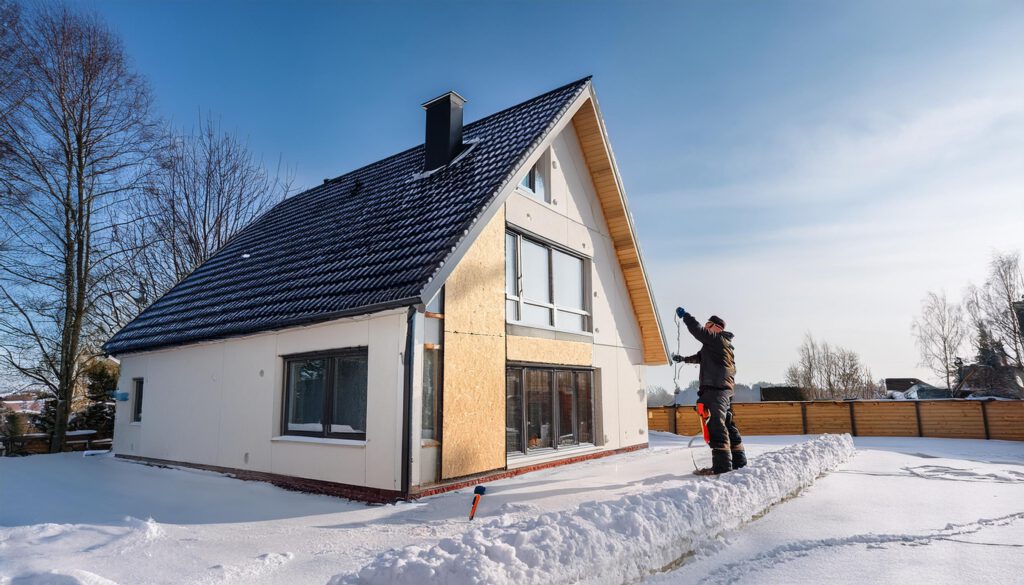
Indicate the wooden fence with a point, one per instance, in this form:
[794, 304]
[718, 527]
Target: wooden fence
[958, 419]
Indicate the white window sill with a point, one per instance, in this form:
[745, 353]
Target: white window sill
[525, 192]
[135, 423]
[519, 460]
[318, 440]
[547, 329]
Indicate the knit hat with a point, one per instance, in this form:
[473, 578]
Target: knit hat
[717, 321]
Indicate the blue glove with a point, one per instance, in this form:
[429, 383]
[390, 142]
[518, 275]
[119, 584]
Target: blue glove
[680, 312]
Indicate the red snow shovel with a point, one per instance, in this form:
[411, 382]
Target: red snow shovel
[704, 416]
[478, 491]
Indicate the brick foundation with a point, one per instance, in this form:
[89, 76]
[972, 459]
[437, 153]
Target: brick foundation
[369, 494]
[288, 482]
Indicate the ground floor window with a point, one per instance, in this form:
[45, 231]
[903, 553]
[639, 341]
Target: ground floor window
[547, 408]
[431, 387]
[325, 394]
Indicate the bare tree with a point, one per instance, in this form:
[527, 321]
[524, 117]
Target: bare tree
[207, 187]
[659, 396]
[12, 86]
[77, 135]
[940, 330]
[829, 372]
[992, 304]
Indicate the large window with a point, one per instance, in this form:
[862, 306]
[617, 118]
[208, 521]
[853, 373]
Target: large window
[544, 286]
[325, 394]
[547, 408]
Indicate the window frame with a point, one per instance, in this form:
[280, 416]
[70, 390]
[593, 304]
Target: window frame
[542, 167]
[138, 387]
[556, 431]
[551, 306]
[329, 383]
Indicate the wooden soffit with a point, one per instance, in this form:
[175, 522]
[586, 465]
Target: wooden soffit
[594, 143]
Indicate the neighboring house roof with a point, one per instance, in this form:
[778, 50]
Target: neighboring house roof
[380, 237]
[25, 406]
[922, 391]
[783, 393]
[903, 384]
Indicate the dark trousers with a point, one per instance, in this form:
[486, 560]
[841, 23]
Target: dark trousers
[726, 443]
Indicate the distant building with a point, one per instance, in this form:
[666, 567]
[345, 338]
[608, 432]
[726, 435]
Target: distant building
[1002, 381]
[913, 389]
[784, 394]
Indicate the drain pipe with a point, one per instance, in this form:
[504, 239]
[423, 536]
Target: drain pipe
[410, 359]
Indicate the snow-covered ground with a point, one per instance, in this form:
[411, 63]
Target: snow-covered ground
[899, 511]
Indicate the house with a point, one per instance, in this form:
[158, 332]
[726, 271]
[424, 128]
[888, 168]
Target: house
[912, 389]
[473, 306]
[784, 394]
[24, 406]
[998, 381]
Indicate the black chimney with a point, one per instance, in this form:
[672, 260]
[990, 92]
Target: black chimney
[444, 130]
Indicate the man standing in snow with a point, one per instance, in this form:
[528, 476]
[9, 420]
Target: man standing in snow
[717, 381]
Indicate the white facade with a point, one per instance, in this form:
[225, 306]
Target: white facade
[220, 403]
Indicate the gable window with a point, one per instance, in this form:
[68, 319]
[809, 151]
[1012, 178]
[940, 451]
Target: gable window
[137, 399]
[535, 183]
[545, 286]
[325, 394]
[547, 408]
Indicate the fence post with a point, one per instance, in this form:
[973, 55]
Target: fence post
[917, 413]
[984, 418]
[853, 420]
[803, 415]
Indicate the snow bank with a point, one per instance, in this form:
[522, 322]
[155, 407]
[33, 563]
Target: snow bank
[610, 542]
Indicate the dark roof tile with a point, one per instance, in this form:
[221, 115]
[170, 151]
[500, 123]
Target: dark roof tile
[366, 240]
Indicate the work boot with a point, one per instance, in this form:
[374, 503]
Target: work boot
[721, 461]
[739, 458]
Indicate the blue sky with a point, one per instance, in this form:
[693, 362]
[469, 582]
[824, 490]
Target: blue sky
[792, 166]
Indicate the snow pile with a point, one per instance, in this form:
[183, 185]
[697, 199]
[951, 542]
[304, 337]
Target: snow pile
[614, 541]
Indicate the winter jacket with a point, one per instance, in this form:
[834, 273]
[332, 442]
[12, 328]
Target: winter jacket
[716, 358]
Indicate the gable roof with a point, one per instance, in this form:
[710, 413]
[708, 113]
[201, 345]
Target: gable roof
[902, 384]
[365, 241]
[386, 236]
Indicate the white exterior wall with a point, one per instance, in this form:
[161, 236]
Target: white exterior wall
[574, 220]
[220, 403]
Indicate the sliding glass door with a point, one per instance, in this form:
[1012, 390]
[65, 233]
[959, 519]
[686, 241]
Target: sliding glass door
[547, 408]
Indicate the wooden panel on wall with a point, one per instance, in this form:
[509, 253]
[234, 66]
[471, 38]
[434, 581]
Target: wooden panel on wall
[1005, 419]
[473, 438]
[473, 396]
[549, 351]
[768, 418]
[828, 417]
[957, 420]
[885, 419]
[474, 294]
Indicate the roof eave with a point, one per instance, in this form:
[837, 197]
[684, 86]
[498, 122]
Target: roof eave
[290, 324]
